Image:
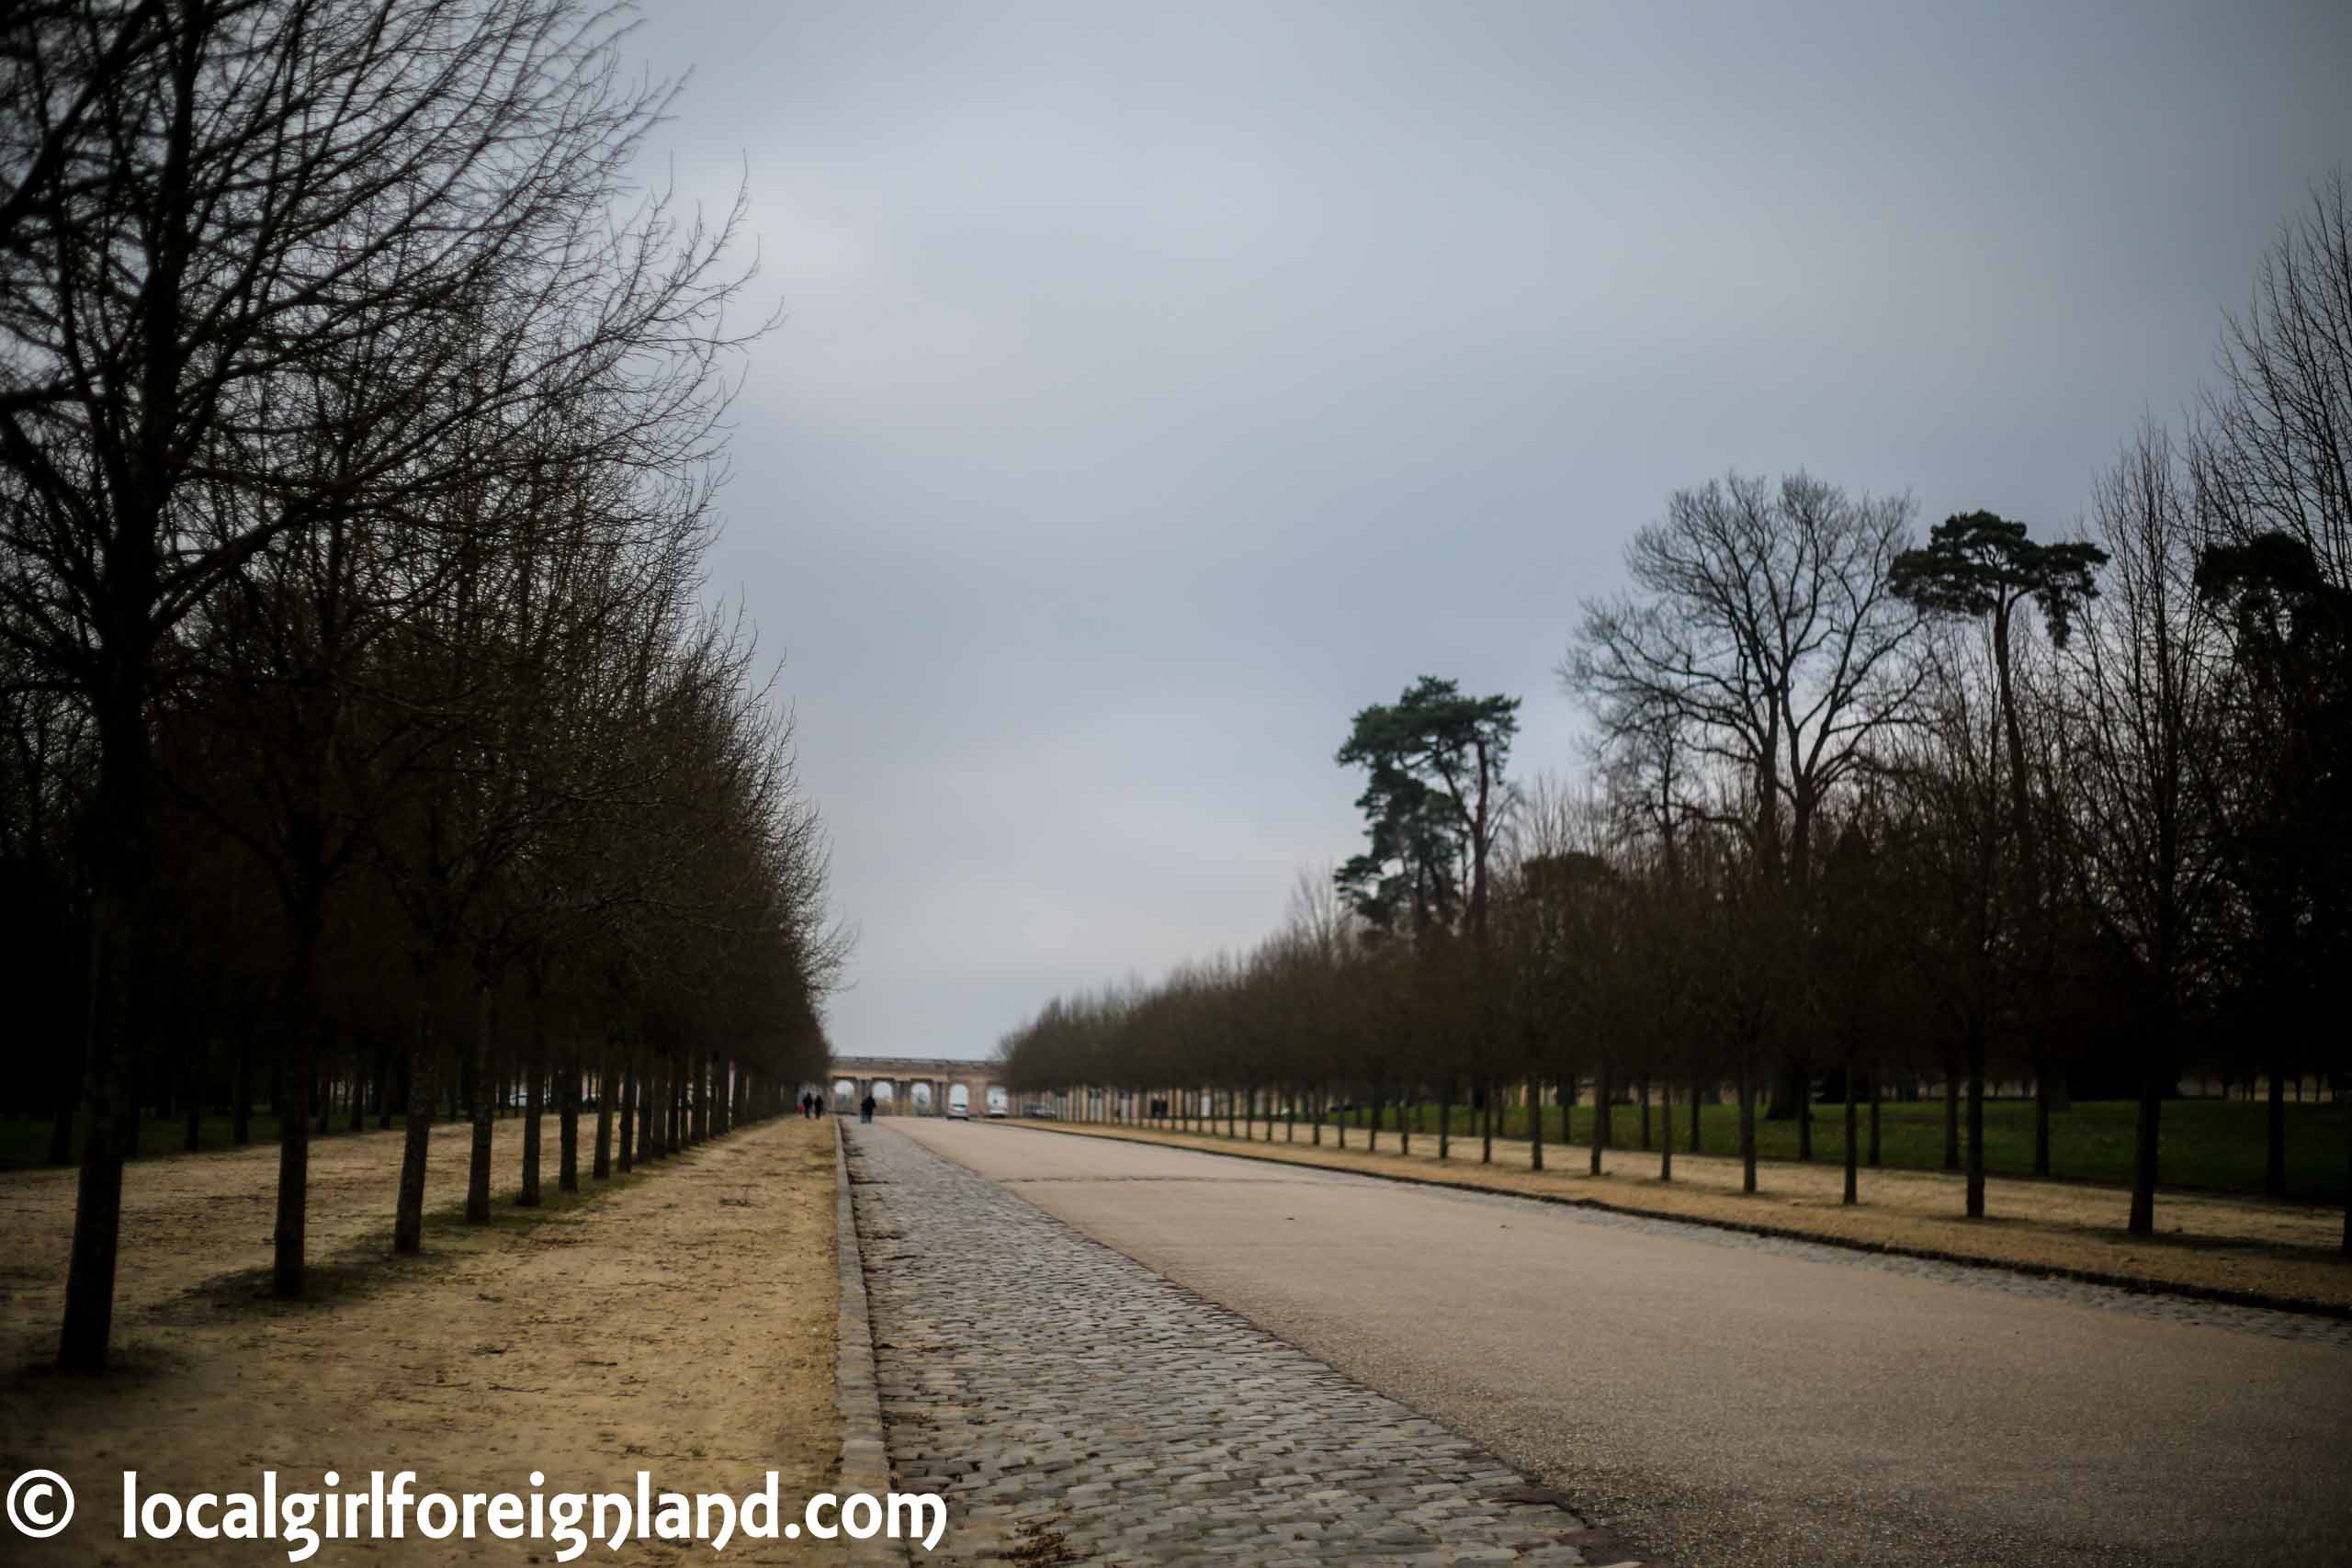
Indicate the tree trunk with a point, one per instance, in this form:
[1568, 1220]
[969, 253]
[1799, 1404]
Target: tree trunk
[628, 1112]
[663, 1138]
[408, 1216]
[2041, 1120]
[484, 1109]
[1643, 1088]
[2274, 1167]
[653, 1145]
[1747, 1130]
[1535, 1122]
[1694, 1113]
[298, 1016]
[1951, 1119]
[109, 1128]
[1600, 1115]
[1977, 1120]
[1850, 1131]
[1486, 1121]
[1665, 1128]
[682, 1124]
[602, 1168]
[2144, 1154]
[567, 1090]
[648, 1081]
[535, 1099]
[1445, 1117]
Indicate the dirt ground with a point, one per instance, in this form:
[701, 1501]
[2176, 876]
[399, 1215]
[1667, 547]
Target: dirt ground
[680, 1321]
[2287, 1251]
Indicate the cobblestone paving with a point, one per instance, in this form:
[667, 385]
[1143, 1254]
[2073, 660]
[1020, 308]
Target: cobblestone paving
[1076, 1407]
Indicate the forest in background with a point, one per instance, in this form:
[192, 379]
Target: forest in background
[1868, 810]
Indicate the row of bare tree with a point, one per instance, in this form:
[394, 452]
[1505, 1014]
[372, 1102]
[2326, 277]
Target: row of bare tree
[2075, 810]
[360, 420]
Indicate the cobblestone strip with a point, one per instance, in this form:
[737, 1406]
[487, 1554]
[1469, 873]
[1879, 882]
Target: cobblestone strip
[1076, 1407]
[865, 1455]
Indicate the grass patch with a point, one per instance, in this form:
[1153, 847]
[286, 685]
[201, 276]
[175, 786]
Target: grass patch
[2204, 1145]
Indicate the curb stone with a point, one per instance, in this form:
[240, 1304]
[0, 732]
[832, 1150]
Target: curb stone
[865, 1457]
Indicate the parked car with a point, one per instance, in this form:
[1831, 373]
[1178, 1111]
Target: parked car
[1039, 1110]
[1000, 1106]
[959, 1103]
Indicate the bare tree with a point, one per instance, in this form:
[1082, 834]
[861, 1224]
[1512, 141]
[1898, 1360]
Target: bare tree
[1763, 632]
[211, 209]
[2147, 685]
[2278, 454]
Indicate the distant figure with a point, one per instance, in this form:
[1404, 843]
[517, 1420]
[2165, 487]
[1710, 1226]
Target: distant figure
[819, 1100]
[804, 1105]
[866, 1108]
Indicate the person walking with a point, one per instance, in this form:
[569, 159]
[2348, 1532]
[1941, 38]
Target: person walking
[866, 1108]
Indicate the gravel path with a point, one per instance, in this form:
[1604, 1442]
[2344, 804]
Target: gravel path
[1713, 1398]
[1075, 1406]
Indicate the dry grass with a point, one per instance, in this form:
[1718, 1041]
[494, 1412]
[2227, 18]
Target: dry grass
[681, 1321]
[2287, 1252]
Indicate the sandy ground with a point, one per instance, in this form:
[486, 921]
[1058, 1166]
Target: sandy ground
[2289, 1251]
[1723, 1405]
[681, 1321]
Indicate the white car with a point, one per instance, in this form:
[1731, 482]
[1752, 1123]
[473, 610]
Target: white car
[958, 1112]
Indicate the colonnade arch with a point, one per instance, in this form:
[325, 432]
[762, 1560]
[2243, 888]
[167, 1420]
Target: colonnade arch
[909, 1086]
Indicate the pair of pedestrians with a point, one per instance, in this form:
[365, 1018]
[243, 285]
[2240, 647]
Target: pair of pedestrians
[814, 1105]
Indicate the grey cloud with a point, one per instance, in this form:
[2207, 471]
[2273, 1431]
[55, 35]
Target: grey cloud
[1159, 384]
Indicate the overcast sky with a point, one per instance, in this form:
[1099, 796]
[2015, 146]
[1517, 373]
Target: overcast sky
[1160, 384]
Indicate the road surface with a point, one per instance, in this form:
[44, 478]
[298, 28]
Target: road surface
[1725, 1399]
